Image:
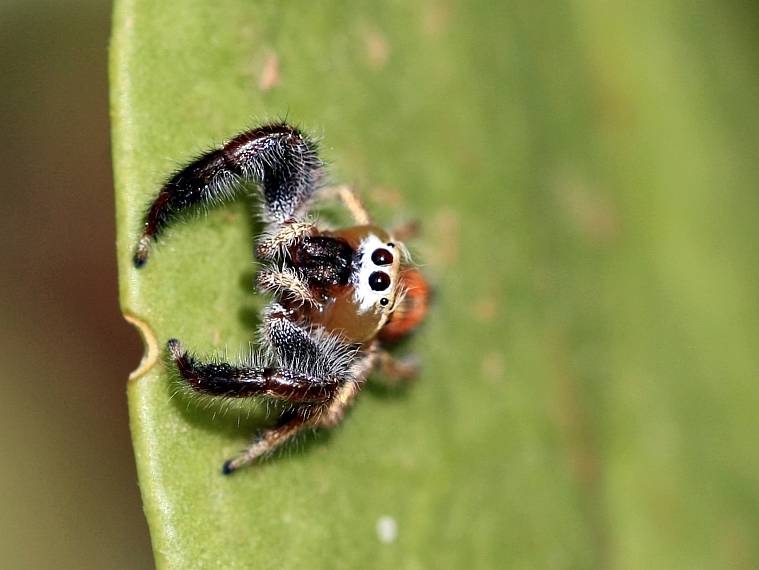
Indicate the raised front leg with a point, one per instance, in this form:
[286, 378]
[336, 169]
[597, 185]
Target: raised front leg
[279, 158]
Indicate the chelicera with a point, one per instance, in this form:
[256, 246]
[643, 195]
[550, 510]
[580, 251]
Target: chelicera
[338, 294]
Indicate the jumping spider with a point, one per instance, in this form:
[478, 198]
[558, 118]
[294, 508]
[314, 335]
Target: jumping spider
[338, 293]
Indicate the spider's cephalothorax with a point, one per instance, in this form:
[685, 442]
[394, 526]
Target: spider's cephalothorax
[337, 293]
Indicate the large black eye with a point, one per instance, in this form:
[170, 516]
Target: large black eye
[379, 281]
[382, 257]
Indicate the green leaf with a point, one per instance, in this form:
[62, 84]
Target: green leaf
[584, 178]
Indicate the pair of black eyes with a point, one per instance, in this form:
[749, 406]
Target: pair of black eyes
[378, 280]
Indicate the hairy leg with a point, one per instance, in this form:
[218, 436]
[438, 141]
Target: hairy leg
[275, 244]
[351, 201]
[279, 158]
[332, 413]
[316, 372]
[265, 442]
[325, 415]
[285, 283]
[241, 381]
[397, 370]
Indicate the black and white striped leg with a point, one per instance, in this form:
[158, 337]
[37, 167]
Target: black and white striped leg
[306, 348]
[318, 373]
[240, 381]
[323, 415]
[279, 158]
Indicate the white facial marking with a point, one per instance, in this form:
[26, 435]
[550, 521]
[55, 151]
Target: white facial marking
[366, 297]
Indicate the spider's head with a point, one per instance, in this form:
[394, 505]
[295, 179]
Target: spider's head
[379, 284]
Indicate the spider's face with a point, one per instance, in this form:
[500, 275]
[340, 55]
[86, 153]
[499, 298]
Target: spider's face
[376, 273]
[362, 308]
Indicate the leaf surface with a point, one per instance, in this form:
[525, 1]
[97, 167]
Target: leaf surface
[574, 410]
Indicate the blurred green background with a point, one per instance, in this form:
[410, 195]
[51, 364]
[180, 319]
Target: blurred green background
[638, 138]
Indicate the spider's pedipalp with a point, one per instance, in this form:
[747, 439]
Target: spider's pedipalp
[285, 283]
[274, 242]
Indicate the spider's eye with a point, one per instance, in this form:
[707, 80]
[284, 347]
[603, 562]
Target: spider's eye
[384, 301]
[379, 281]
[382, 257]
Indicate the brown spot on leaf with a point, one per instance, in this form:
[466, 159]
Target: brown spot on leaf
[377, 48]
[493, 367]
[575, 423]
[435, 18]
[615, 107]
[588, 211]
[269, 75]
[230, 217]
[735, 544]
[485, 309]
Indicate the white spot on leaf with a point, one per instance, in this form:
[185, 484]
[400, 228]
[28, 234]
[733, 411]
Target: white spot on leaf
[387, 529]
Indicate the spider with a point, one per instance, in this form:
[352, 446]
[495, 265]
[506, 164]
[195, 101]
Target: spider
[338, 294]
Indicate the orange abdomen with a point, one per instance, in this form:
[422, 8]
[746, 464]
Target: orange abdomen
[411, 311]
